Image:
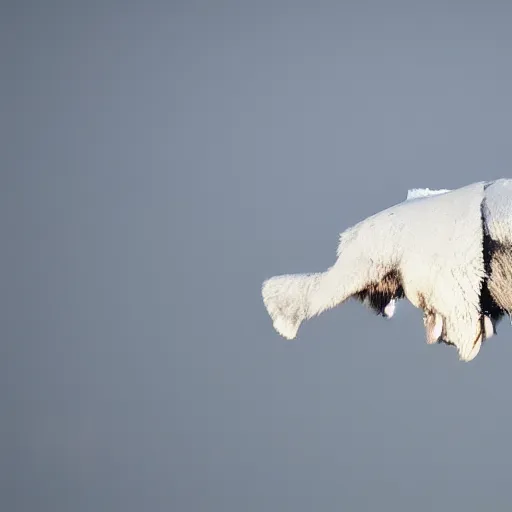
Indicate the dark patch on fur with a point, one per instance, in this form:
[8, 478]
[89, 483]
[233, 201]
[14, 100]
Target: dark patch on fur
[379, 294]
[500, 278]
[492, 286]
[442, 341]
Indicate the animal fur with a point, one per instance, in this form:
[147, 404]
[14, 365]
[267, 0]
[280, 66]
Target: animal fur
[429, 249]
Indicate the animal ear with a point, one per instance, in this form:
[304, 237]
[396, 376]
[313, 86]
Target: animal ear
[416, 193]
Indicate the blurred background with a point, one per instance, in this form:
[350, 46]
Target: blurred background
[159, 161]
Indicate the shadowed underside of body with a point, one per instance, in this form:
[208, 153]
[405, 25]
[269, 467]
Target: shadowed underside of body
[500, 278]
[381, 296]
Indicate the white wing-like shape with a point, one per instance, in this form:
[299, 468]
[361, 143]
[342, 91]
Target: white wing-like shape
[433, 244]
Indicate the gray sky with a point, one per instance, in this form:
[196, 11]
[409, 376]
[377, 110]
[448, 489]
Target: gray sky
[160, 161]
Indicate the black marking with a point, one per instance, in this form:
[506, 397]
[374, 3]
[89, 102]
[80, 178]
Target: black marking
[380, 294]
[488, 305]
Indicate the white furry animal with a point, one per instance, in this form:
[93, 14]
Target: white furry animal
[448, 252]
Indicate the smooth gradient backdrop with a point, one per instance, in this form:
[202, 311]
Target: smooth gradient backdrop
[159, 160]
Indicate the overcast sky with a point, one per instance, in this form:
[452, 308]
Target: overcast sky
[159, 161]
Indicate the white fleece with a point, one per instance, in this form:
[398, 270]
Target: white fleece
[434, 241]
[497, 209]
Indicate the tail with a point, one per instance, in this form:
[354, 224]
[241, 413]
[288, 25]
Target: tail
[291, 299]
